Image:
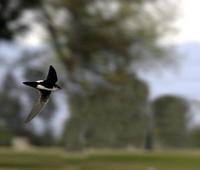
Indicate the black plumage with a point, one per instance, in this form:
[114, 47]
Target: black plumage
[45, 88]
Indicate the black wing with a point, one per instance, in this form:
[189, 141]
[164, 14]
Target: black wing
[39, 105]
[52, 76]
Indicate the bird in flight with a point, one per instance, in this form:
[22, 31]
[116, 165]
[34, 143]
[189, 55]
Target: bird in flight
[45, 87]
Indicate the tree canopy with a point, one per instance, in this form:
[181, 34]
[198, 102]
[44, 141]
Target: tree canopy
[171, 118]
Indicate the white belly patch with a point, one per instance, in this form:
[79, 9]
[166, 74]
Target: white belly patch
[39, 81]
[41, 87]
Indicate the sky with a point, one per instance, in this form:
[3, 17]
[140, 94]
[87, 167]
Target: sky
[188, 21]
[185, 79]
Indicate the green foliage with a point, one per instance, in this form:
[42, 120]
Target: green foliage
[96, 34]
[109, 118]
[194, 137]
[170, 114]
[5, 136]
[10, 112]
[10, 14]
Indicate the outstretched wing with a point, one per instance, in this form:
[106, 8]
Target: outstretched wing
[39, 105]
[52, 76]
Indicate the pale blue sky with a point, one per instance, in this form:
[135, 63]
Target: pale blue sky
[184, 80]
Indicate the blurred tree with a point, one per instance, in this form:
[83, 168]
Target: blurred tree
[13, 23]
[109, 118]
[10, 112]
[6, 136]
[106, 36]
[96, 40]
[11, 12]
[12, 117]
[11, 120]
[194, 137]
[170, 114]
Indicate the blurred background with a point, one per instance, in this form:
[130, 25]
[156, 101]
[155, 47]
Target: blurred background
[128, 71]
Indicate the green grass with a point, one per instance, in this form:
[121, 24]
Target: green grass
[32, 160]
[111, 160]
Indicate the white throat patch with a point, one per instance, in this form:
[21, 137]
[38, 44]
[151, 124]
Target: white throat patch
[41, 87]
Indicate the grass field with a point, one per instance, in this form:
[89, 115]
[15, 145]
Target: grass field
[58, 160]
